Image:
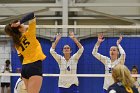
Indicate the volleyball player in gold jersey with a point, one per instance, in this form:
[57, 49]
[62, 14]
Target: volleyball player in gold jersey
[29, 50]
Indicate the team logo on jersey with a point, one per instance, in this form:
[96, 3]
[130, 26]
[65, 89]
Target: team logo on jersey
[68, 68]
[110, 70]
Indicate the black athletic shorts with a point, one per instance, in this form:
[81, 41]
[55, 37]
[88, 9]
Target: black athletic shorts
[32, 69]
[5, 84]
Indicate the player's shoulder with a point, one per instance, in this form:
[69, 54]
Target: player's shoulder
[114, 87]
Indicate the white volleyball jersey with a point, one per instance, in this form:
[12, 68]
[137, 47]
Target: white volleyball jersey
[108, 64]
[20, 87]
[5, 79]
[67, 67]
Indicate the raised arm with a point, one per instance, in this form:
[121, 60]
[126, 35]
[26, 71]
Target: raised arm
[26, 18]
[56, 56]
[58, 37]
[122, 52]
[72, 36]
[77, 55]
[95, 50]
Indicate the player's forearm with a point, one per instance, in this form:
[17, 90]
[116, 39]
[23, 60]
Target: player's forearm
[55, 43]
[98, 43]
[77, 42]
[27, 17]
[121, 49]
[95, 49]
[122, 54]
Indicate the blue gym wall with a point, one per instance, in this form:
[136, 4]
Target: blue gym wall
[87, 63]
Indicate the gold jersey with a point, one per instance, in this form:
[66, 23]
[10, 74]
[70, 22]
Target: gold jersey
[30, 49]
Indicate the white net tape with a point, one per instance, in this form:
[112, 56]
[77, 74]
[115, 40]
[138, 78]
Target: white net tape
[56, 75]
[84, 26]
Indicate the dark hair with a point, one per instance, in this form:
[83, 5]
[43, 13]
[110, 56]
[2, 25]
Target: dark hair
[7, 63]
[69, 46]
[14, 33]
[135, 67]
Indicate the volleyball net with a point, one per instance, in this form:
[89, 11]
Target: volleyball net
[90, 71]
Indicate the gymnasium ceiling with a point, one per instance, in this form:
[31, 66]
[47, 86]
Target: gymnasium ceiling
[129, 9]
[83, 12]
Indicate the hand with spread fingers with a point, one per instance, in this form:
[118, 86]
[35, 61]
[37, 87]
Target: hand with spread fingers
[100, 38]
[119, 40]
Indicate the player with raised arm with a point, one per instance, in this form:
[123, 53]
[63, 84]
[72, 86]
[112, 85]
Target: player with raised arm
[111, 62]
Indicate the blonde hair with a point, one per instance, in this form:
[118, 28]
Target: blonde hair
[121, 73]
